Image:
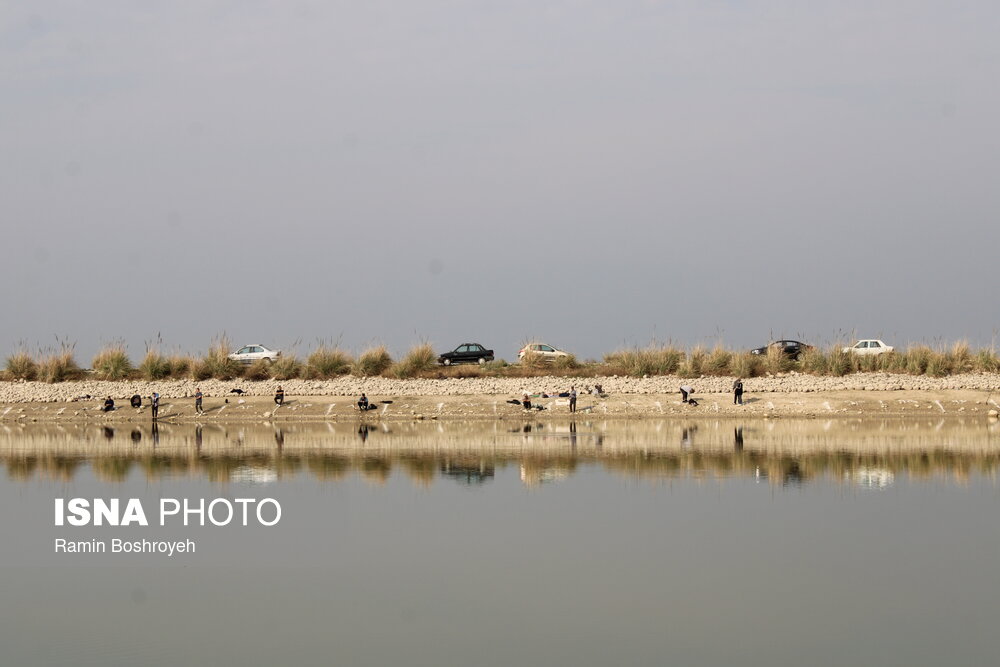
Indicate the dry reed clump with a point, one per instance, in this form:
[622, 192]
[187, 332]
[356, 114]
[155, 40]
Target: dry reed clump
[22, 366]
[326, 362]
[181, 365]
[373, 361]
[814, 361]
[959, 358]
[986, 361]
[258, 371]
[746, 365]
[287, 367]
[651, 360]
[59, 367]
[718, 361]
[776, 361]
[533, 361]
[567, 363]
[154, 366]
[112, 363]
[216, 362]
[693, 364]
[420, 359]
[916, 359]
[838, 362]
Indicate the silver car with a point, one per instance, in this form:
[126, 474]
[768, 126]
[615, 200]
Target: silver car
[251, 353]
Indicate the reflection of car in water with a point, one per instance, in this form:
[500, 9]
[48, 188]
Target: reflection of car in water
[469, 472]
[533, 474]
[253, 475]
[872, 478]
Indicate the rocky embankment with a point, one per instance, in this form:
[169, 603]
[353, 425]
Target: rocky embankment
[28, 392]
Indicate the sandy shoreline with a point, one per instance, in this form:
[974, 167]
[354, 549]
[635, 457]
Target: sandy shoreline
[793, 395]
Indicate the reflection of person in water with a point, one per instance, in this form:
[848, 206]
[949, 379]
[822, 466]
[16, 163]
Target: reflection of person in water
[156, 433]
[109, 433]
[197, 438]
[687, 436]
[363, 433]
[136, 436]
[279, 438]
[572, 435]
[738, 438]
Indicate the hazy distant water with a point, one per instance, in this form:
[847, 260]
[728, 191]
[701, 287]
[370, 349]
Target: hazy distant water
[643, 543]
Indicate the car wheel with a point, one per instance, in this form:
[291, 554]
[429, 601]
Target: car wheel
[447, 362]
[266, 360]
[482, 360]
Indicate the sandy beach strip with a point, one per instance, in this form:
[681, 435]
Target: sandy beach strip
[490, 398]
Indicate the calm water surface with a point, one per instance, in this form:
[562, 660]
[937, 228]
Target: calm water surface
[594, 543]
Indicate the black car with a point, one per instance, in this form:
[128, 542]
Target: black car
[791, 348]
[466, 353]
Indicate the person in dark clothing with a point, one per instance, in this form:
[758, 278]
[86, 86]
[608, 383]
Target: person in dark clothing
[526, 402]
[109, 404]
[686, 391]
[197, 401]
[279, 396]
[572, 399]
[363, 403]
[738, 391]
[154, 403]
[136, 401]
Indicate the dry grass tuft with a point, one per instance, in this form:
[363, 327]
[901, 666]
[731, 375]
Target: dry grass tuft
[287, 367]
[373, 361]
[651, 360]
[22, 366]
[420, 359]
[326, 362]
[112, 363]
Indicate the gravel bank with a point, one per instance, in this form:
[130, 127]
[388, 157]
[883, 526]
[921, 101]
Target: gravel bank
[30, 392]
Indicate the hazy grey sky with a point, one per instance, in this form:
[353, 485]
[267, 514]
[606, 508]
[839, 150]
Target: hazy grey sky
[587, 173]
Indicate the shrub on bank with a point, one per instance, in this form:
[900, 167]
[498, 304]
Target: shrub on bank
[420, 359]
[746, 365]
[216, 362]
[325, 363]
[21, 366]
[287, 367]
[59, 367]
[651, 360]
[112, 363]
[373, 361]
[154, 366]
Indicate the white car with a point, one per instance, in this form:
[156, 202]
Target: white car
[869, 346]
[542, 350]
[251, 353]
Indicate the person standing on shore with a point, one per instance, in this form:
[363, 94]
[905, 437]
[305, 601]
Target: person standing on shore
[154, 403]
[279, 396]
[738, 391]
[197, 401]
[572, 399]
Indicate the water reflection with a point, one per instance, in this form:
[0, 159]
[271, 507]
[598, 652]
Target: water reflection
[786, 453]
